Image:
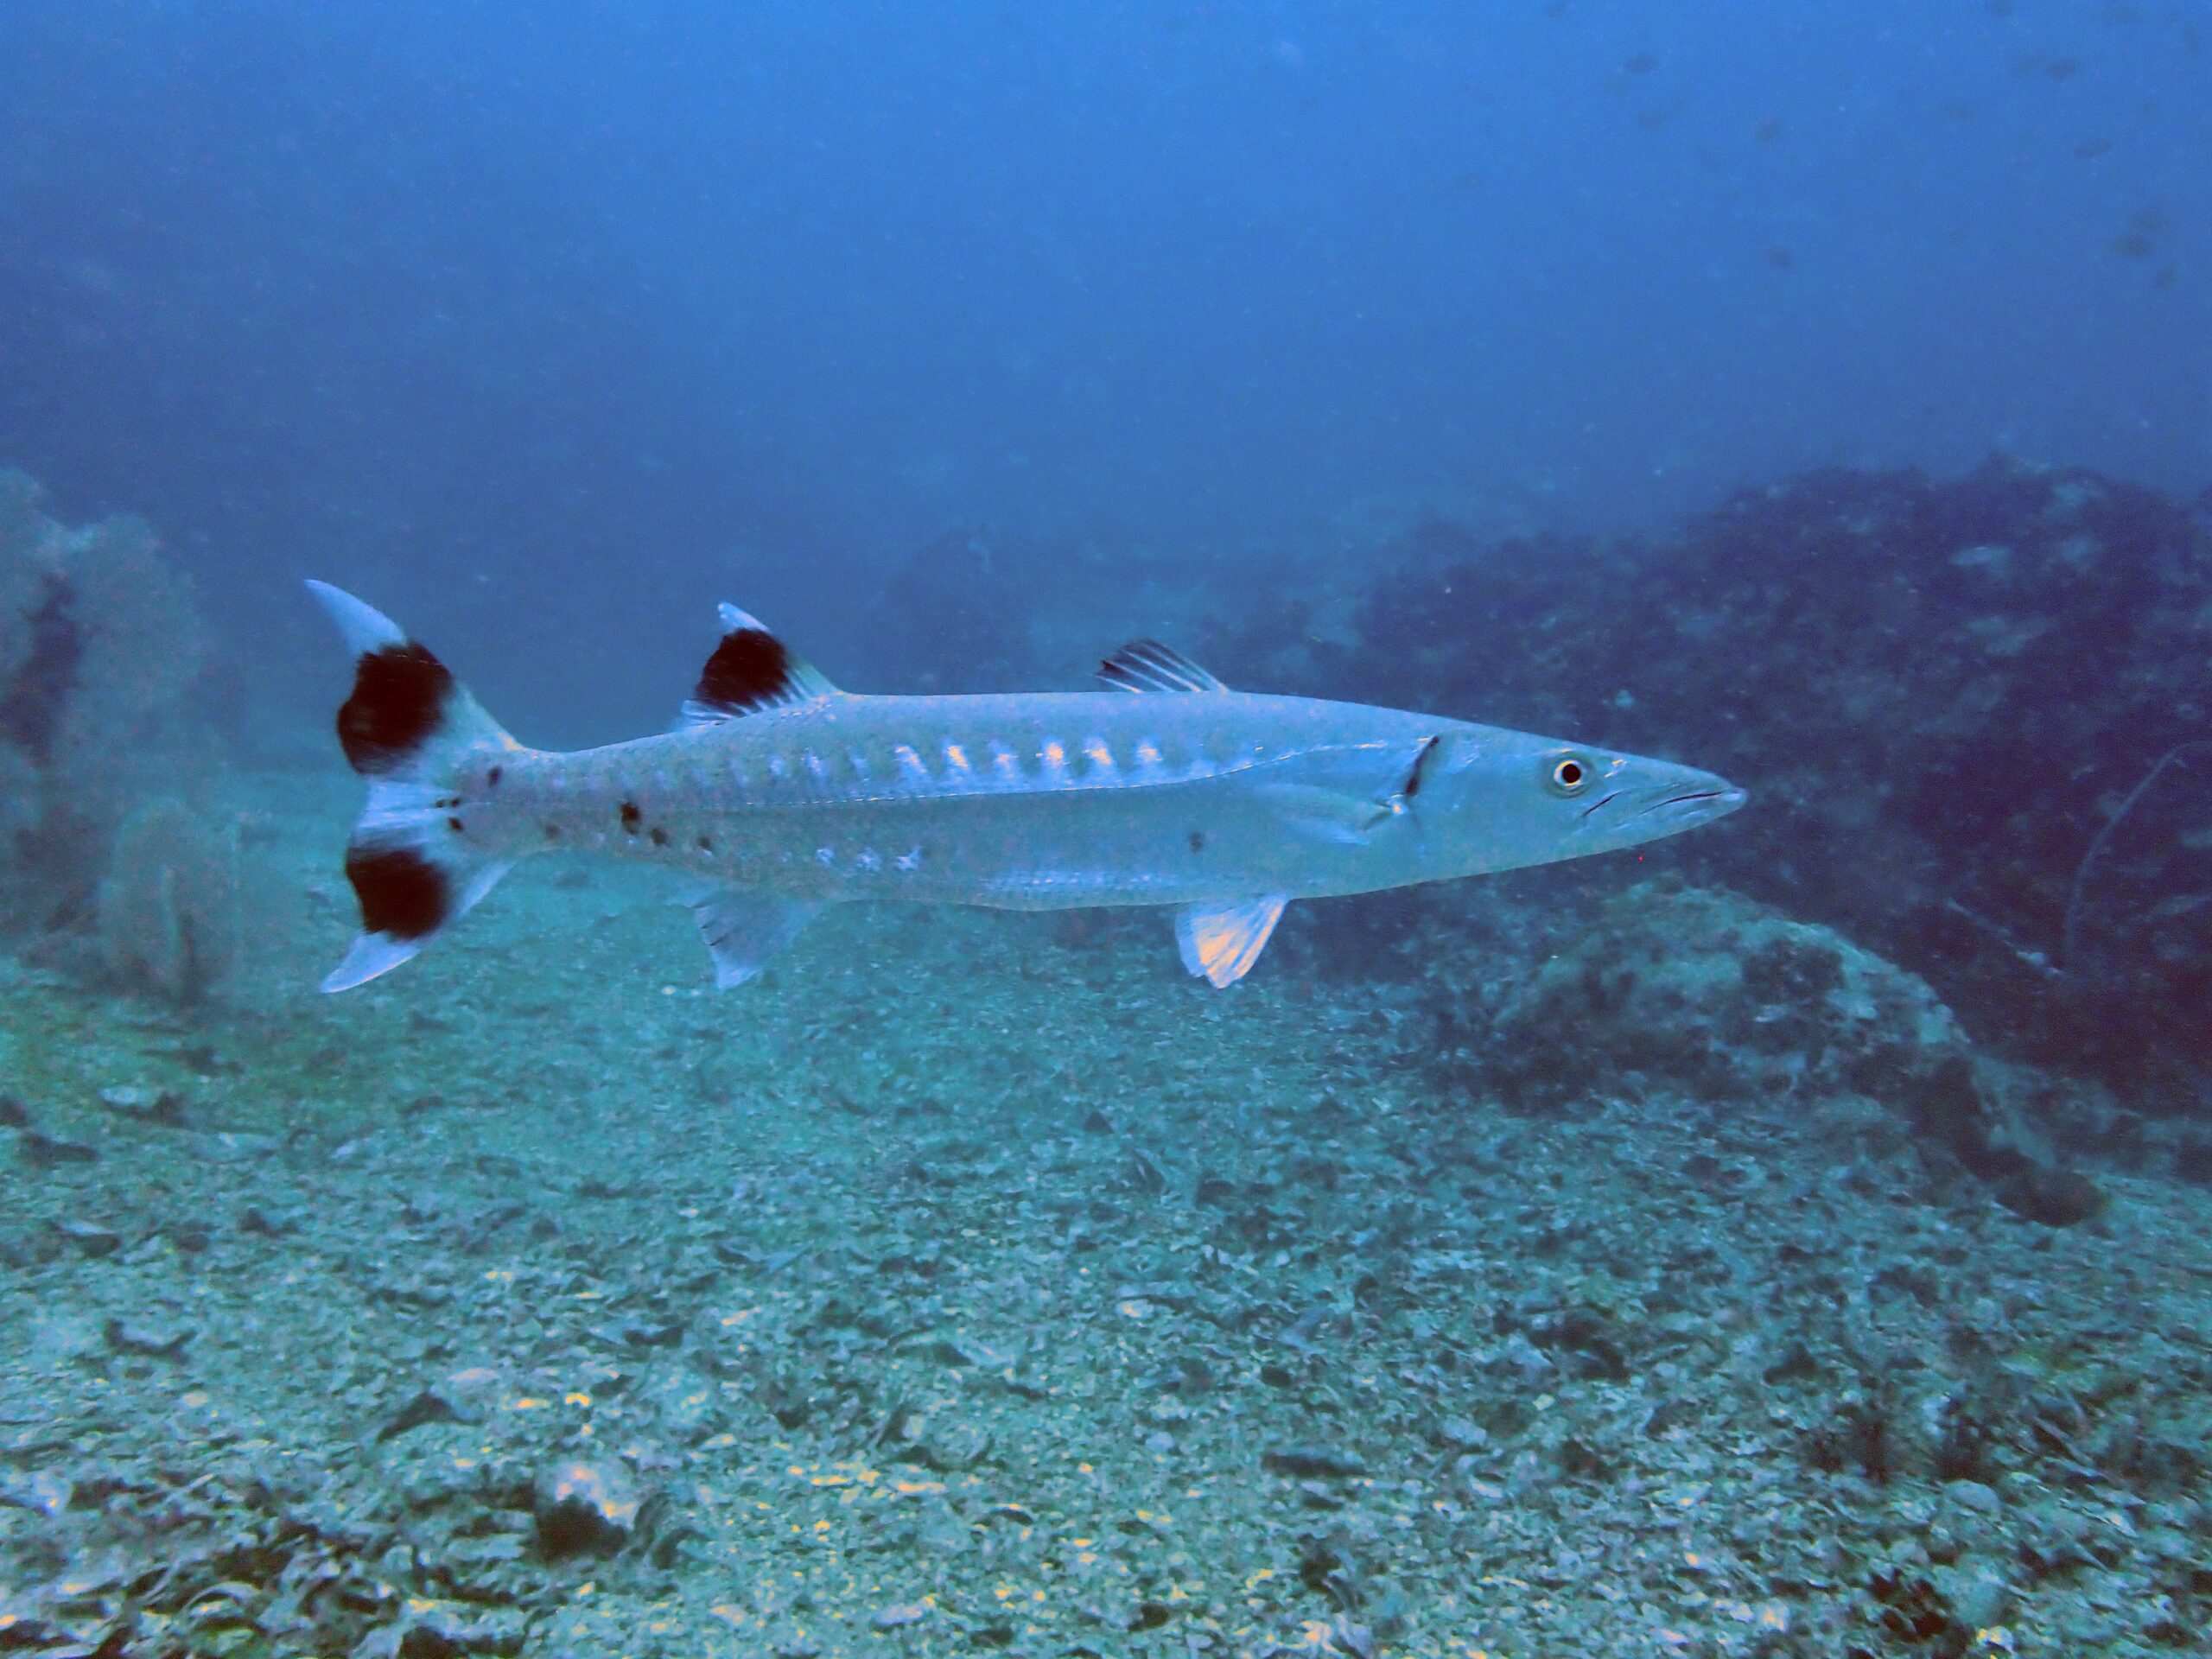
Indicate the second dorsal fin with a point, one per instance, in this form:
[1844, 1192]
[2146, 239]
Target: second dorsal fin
[1148, 665]
[750, 671]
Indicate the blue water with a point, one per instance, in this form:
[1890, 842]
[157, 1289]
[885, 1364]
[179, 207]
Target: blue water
[596, 303]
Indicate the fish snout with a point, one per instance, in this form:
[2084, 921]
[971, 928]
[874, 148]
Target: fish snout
[1685, 804]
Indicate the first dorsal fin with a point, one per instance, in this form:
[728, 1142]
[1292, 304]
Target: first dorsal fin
[1148, 665]
[750, 671]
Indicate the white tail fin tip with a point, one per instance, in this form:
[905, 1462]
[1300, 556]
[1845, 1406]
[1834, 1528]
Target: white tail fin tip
[364, 627]
[372, 954]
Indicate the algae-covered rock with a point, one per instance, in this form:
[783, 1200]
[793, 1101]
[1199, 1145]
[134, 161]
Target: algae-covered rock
[1711, 994]
[99, 642]
[1708, 991]
[168, 908]
[586, 1507]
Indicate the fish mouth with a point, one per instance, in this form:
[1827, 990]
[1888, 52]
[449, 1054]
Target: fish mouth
[1672, 810]
[1664, 812]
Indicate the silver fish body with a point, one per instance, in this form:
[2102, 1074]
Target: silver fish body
[788, 794]
[1064, 800]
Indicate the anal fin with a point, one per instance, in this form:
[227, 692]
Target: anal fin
[1220, 942]
[744, 929]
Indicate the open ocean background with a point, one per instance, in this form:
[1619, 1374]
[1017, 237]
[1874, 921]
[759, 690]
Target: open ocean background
[558, 323]
[1791, 1240]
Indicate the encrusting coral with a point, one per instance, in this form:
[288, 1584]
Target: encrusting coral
[1723, 999]
[168, 908]
[99, 642]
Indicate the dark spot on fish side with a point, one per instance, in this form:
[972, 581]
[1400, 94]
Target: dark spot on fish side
[454, 824]
[706, 843]
[658, 835]
[399, 697]
[1197, 840]
[749, 670]
[403, 894]
[631, 817]
[552, 832]
[491, 777]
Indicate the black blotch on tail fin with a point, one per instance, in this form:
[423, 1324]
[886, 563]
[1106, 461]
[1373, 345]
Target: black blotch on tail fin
[403, 895]
[751, 670]
[400, 696]
[418, 859]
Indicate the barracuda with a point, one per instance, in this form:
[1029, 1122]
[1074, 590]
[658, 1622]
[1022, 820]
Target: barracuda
[786, 794]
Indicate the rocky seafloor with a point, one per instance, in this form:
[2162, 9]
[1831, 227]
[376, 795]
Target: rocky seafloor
[981, 1283]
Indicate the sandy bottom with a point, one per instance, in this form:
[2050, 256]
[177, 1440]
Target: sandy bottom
[976, 1284]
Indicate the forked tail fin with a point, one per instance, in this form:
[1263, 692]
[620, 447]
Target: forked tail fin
[425, 746]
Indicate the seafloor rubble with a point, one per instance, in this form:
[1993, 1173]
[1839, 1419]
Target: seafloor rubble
[975, 1284]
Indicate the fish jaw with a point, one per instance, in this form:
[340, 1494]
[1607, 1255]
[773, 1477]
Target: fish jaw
[1669, 809]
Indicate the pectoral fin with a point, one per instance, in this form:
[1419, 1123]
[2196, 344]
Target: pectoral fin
[744, 929]
[1342, 797]
[1220, 942]
[1327, 815]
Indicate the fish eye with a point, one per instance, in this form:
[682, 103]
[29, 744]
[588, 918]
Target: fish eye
[1569, 774]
